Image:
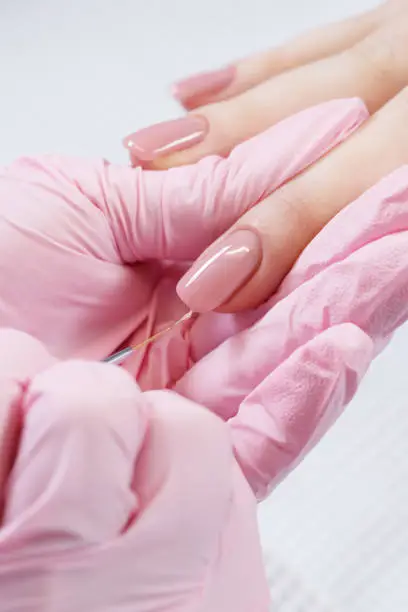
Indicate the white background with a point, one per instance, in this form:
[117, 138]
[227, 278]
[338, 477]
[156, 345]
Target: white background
[78, 75]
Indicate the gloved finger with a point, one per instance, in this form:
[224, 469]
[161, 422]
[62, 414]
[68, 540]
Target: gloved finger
[288, 220]
[195, 485]
[137, 215]
[288, 413]
[20, 357]
[84, 424]
[355, 270]
[321, 42]
[176, 214]
[190, 485]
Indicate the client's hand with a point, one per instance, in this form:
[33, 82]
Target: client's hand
[365, 56]
[123, 499]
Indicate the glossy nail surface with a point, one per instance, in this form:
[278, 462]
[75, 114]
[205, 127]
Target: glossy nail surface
[221, 271]
[189, 91]
[164, 138]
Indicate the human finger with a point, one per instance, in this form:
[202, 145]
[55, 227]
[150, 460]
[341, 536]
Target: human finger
[375, 70]
[287, 221]
[176, 214]
[78, 416]
[225, 83]
[354, 271]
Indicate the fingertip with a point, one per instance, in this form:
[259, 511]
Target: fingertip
[187, 104]
[223, 269]
[204, 87]
[161, 140]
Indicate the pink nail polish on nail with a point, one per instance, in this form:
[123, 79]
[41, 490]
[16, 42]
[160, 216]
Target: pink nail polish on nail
[203, 85]
[221, 271]
[165, 138]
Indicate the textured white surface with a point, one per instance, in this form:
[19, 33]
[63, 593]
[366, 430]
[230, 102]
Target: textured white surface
[75, 77]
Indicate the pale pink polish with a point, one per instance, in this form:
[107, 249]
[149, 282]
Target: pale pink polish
[203, 85]
[165, 138]
[221, 271]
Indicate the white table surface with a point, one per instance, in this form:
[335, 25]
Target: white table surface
[75, 77]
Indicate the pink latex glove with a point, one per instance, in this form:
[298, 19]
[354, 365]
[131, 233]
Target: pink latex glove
[122, 498]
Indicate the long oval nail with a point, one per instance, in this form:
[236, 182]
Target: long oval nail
[221, 271]
[202, 86]
[164, 138]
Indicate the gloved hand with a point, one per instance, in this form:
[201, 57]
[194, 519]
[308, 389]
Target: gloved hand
[120, 498]
[90, 253]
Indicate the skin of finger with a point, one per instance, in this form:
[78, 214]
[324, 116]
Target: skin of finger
[297, 403]
[374, 70]
[309, 47]
[288, 220]
[185, 209]
[69, 409]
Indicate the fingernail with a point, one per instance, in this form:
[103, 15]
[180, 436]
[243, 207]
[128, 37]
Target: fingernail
[164, 138]
[203, 85]
[221, 271]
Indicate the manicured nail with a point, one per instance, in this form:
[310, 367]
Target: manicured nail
[164, 138]
[221, 271]
[203, 85]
